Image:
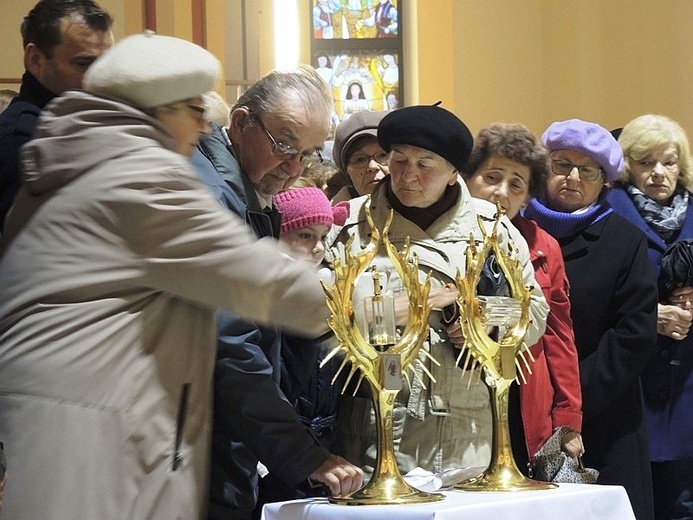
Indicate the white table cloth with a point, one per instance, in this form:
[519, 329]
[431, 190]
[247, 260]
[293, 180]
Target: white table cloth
[568, 502]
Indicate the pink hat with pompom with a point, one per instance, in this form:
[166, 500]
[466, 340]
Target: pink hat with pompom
[306, 207]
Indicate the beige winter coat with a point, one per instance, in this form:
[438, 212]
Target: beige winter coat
[115, 260]
[447, 424]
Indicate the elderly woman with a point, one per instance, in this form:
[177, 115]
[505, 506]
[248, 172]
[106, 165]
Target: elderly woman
[654, 195]
[358, 155]
[508, 166]
[444, 425]
[114, 263]
[613, 301]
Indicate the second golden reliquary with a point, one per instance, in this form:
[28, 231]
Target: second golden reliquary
[379, 355]
[502, 361]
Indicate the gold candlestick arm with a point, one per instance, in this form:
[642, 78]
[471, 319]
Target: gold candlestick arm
[500, 361]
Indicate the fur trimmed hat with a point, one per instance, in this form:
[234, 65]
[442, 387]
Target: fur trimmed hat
[589, 138]
[429, 127]
[147, 70]
[348, 131]
[306, 207]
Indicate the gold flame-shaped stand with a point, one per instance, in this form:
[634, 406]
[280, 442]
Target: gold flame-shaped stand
[501, 362]
[386, 486]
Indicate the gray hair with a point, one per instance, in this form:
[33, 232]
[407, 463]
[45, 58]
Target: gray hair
[268, 94]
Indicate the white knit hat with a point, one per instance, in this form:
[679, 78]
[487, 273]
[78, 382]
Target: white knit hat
[148, 70]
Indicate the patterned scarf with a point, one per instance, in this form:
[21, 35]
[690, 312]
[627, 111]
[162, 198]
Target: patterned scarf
[665, 220]
[559, 224]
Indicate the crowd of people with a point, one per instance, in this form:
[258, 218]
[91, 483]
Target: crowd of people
[163, 322]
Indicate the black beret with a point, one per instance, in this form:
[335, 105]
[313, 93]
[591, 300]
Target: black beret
[429, 127]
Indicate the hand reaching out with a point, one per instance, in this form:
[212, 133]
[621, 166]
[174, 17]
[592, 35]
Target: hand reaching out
[443, 296]
[338, 474]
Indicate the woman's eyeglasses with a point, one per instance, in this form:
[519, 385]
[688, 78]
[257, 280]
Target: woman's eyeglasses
[564, 168]
[199, 113]
[362, 160]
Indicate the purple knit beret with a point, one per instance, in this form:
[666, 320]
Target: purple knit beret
[590, 139]
[306, 207]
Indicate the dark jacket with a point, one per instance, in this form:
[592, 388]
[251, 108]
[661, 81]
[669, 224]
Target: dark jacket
[315, 394]
[668, 377]
[313, 390]
[17, 125]
[613, 295]
[253, 420]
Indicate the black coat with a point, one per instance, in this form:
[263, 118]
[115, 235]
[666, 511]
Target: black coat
[17, 125]
[613, 294]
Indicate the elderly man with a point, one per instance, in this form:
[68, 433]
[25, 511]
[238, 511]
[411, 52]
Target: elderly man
[277, 128]
[115, 259]
[61, 38]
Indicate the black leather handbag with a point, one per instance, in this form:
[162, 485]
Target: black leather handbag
[676, 268]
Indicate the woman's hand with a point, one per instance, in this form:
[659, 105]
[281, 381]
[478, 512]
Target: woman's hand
[442, 297]
[455, 335]
[437, 298]
[571, 445]
[674, 321]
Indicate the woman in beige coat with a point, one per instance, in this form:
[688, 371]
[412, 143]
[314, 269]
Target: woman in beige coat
[115, 258]
[445, 425]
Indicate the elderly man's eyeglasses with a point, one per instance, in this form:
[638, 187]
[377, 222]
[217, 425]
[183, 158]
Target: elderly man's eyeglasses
[360, 160]
[564, 168]
[284, 152]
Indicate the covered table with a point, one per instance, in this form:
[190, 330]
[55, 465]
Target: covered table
[568, 502]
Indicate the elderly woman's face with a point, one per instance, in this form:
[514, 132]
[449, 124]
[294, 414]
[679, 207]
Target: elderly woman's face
[501, 180]
[363, 169]
[571, 192]
[657, 173]
[186, 121]
[419, 177]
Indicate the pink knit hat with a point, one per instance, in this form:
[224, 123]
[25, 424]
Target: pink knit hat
[306, 207]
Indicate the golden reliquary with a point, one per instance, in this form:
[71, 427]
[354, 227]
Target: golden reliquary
[381, 358]
[503, 361]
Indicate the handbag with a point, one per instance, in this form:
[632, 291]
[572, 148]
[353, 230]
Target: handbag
[676, 267]
[553, 465]
[492, 280]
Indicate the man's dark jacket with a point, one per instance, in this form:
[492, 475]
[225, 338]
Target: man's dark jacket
[17, 124]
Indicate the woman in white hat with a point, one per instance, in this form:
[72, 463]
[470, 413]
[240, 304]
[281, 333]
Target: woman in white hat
[115, 259]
